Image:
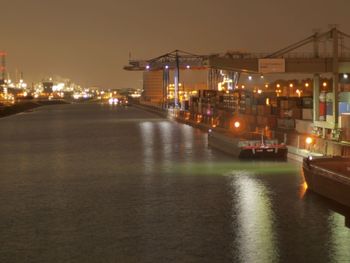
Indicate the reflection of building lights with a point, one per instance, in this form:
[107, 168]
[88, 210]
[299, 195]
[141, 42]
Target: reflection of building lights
[302, 190]
[267, 101]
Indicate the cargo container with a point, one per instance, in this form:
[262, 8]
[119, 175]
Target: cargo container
[286, 123]
[345, 123]
[344, 107]
[303, 126]
[307, 102]
[322, 106]
[329, 102]
[291, 113]
[307, 114]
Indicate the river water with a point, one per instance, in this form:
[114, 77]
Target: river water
[94, 183]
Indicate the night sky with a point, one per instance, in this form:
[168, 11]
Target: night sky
[89, 41]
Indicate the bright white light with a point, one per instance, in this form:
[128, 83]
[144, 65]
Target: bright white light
[135, 95]
[166, 66]
[147, 67]
[188, 66]
[237, 124]
[345, 76]
[250, 77]
[308, 140]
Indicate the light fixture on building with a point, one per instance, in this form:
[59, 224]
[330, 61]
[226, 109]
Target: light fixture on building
[308, 140]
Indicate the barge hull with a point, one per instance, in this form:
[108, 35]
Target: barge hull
[268, 153]
[327, 183]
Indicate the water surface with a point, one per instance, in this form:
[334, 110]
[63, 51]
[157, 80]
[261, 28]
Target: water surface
[93, 183]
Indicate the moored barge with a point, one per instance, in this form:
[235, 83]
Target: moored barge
[248, 146]
[329, 177]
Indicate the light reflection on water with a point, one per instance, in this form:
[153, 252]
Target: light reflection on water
[256, 236]
[85, 182]
[147, 133]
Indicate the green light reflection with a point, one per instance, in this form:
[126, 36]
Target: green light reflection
[229, 168]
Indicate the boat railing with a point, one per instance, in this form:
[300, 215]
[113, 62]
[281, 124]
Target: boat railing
[245, 143]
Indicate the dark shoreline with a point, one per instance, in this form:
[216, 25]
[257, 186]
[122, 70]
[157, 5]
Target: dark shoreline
[26, 106]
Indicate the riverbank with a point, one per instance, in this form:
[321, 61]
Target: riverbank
[23, 106]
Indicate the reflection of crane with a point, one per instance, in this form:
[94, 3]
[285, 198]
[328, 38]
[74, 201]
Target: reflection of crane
[3, 65]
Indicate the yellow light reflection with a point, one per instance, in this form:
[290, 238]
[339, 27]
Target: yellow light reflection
[302, 190]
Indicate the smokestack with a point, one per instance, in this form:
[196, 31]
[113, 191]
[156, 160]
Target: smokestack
[3, 65]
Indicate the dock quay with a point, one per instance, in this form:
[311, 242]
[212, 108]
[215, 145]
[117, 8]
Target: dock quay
[301, 99]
